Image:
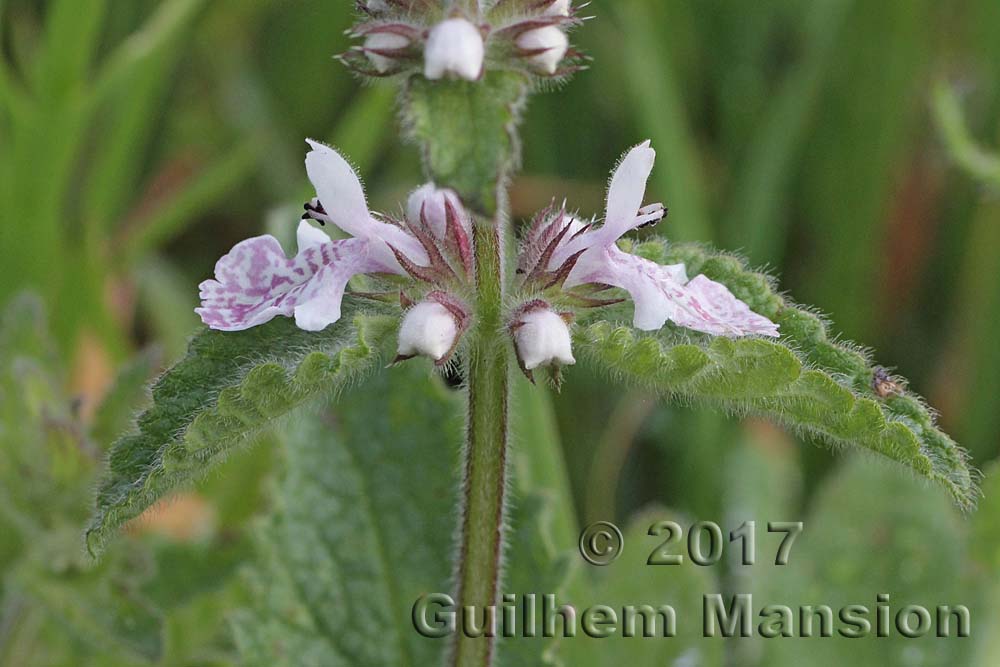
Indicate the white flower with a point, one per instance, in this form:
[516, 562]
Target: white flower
[542, 339]
[428, 329]
[377, 46]
[454, 47]
[544, 47]
[558, 8]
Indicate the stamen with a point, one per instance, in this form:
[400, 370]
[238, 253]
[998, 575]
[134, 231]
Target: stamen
[314, 211]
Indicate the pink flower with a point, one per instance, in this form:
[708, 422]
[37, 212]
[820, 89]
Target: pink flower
[256, 282]
[581, 254]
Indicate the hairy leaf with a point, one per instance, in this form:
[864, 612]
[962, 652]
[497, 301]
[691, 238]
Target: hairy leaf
[362, 527]
[806, 380]
[227, 387]
[466, 131]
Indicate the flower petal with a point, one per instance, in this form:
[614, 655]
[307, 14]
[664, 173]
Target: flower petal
[626, 192]
[662, 292]
[338, 188]
[256, 282]
[308, 236]
[716, 310]
[343, 198]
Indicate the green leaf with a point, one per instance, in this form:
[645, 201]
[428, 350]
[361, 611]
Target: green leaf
[630, 581]
[467, 132]
[539, 466]
[985, 538]
[805, 381]
[363, 526]
[227, 387]
[985, 554]
[874, 529]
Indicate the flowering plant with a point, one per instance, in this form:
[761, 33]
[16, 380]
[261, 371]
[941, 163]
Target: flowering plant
[441, 281]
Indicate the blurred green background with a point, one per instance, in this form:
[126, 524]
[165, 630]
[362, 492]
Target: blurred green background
[139, 140]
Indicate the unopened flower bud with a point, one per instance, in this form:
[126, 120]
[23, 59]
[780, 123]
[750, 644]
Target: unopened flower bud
[377, 44]
[428, 329]
[542, 338]
[558, 8]
[430, 203]
[544, 47]
[454, 47]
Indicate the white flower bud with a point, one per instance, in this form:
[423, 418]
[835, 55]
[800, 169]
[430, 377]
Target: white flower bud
[383, 41]
[550, 38]
[454, 47]
[542, 339]
[429, 329]
[433, 202]
[558, 8]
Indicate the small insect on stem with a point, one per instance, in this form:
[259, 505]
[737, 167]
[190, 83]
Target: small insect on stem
[883, 385]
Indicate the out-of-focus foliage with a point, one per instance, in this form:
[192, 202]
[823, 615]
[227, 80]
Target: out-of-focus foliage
[140, 138]
[57, 606]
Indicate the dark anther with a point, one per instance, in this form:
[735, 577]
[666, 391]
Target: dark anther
[313, 211]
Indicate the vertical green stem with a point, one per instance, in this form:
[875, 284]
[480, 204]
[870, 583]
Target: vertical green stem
[467, 134]
[485, 478]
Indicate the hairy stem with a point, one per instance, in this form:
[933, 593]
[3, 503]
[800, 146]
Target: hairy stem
[484, 485]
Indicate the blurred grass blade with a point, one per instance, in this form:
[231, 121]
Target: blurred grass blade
[652, 90]
[72, 33]
[363, 131]
[756, 220]
[980, 164]
[129, 89]
[115, 413]
[973, 347]
[144, 46]
[208, 187]
[167, 299]
[540, 466]
[864, 136]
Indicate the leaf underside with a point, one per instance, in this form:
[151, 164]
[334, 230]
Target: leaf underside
[229, 386]
[805, 380]
[362, 527]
